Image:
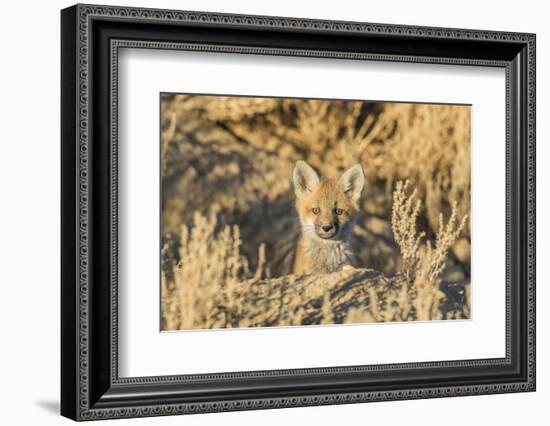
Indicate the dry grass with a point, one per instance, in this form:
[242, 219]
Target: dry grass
[422, 264]
[226, 163]
[209, 280]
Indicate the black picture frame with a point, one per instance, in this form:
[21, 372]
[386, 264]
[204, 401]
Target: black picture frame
[90, 386]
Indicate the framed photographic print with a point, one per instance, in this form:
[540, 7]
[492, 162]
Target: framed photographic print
[263, 212]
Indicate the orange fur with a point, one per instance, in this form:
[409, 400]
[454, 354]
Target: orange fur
[326, 208]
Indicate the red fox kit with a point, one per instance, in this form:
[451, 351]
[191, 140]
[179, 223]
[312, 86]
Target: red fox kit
[326, 208]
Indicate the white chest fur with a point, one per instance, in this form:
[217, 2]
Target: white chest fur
[329, 256]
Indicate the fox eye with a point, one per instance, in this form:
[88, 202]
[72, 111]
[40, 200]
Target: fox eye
[338, 211]
[316, 210]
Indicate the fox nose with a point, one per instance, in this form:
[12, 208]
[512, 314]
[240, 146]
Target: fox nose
[327, 227]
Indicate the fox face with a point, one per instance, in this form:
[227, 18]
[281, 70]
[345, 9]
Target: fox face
[326, 208]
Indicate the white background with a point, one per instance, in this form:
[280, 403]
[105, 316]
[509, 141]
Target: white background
[192, 352]
[29, 225]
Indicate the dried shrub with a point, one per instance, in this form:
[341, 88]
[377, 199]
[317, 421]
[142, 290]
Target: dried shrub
[209, 279]
[404, 216]
[422, 264]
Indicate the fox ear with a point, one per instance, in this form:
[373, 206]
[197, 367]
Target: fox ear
[352, 182]
[304, 177]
